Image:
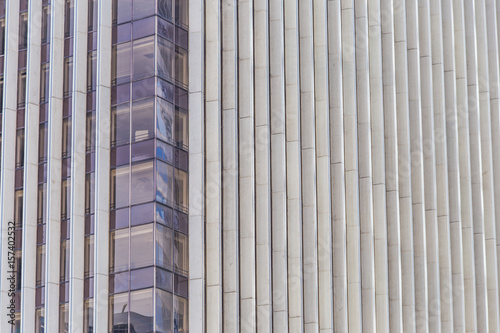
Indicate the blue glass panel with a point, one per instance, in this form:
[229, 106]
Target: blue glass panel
[164, 246]
[165, 90]
[164, 121]
[164, 215]
[164, 183]
[164, 311]
[164, 151]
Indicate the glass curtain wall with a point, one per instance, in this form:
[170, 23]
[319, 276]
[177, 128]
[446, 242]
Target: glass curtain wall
[2, 53]
[149, 163]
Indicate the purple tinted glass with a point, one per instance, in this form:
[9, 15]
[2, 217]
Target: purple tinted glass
[181, 97]
[19, 178]
[43, 113]
[64, 292]
[89, 224]
[163, 279]
[66, 167]
[142, 182]
[164, 183]
[42, 173]
[39, 296]
[20, 118]
[64, 230]
[165, 90]
[119, 218]
[181, 285]
[143, 58]
[120, 124]
[143, 27]
[45, 53]
[88, 288]
[68, 47]
[164, 120]
[91, 100]
[142, 214]
[92, 41]
[143, 88]
[142, 278]
[181, 37]
[165, 29]
[40, 234]
[164, 215]
[120, 94]
[165, 9]
[122, 11]
[122, 33]
[67, 105]
[121, 63]
[90, 162]
[118, 282]
[141, 246]
[181, 159]
[120, 155]
[143, 150]
[181, 221]
[143, 8]
[143, 120]
[164, 152]
[19, 239]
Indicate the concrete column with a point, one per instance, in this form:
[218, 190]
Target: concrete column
[337, 166]
[7, 173]
[263, 193]
[441, 180]
[429, 167]
[30, 188]
[53, 232]
[78, 131]
[483, 45]
[102, 165]
[391, 167]
[278, 166]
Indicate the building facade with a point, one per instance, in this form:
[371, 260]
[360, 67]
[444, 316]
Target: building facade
[329, 166]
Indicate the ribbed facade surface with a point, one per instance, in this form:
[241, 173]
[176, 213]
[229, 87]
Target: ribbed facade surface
[344, 165]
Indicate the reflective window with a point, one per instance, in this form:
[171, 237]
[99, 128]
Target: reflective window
[120, 70]
[91, 70]
[165, 58]
[23, 30]
[164, 122]
[122, 33]
[68, 76]
[141, 246]
[163, 215]
[119, 187]
[181, 285]
[18, 208]
[165, 90]
[163, 279]
[89, 193]
[165, 28]
[91, 134]
[143, 119]
[66, 137]
[143, 150]
[88, 317]
[180, 253]
[68, 22]
[44, 83]
[119, 282]
[64, 318]
[164, 237]
[42, 143]
[180, 314]
[143, 88]
[64, 261]
[165, 8]
[120, 155]
[40, 264]
[141, 311]
[89, 256]
[119, 218]
[20, 148]
[118, 313]
[142, 182]
[65, 199]
[122, 11]
[181, 66]
[45, 24]
[181, 128]
[164, 183]
[39, 321]
[119, 248]
[21, 88]
[142, 214]
[164, 311]
[181, 189]
[143, 58]
[142, 278]
[120, 124]
[143, 27]
[119, 94]
[181, 13]
[143, 8]
[164, 151]
[42, 202]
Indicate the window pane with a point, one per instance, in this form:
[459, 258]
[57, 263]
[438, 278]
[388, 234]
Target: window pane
[90, 135]
[164, 215]
[120, 124]
[64, 262]
[122, 11]
[91, 70]
[63, 318]
[164, 237]
[42, 202]
[18, 208]
[143, 65]
[122, 33]
[19, 148]
[65, 199]
[165, 90]
[119, 187]
[21, 88]
[141, 311]
[88, 317]
[164, 183]
[119, 218]
[118, 313]
[143, 150]
[165, 117]
[181, 13]
[66, 137]
[89, 256]
[40, 265]
[181, 128]
[119, 94]
[118, 259]
[141, 246]
[163, 279]
[119, 282]
[44, 83]
[143, 120]
[181, 66]
[164, 311]
[142, 182]
[39, 321]
[181, 285]
[143, 8]
[165, 58]
[121, 63]
[68, 20]
[143, 28]
[165, 28]
[181, 189]
[142, 278]
[89, 193]
[165, 8]
[23, 30]
[142, 214]
[120, 155]
[164, 151]
[68, 76]
[180, 314]
[143, 88]
[181, 253]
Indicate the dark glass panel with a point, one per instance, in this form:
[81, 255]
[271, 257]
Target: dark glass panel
[88, 287]
[119, 218]
[40, 234]
[2, 34]
[67, 106]
[163, 279]
[64, 230]
[143, 150]
[22, 59]
[44, 83]
[120, 124]
[91, 70]
[18, 182]
[18, 208]
[92, 41]
[45, 53]
[165, 29]
[165, 58]
[142, 278]
[18, 261]
[181, 189]
[181, 13]
[141, 246]
[18, 244]
[64, 261]
[164, 151]
[165, 120]
[181, 253]
[20, 118]
[90, 162]
[142, 214]
[120, 94]
[143, 58]
[164, 311]
[142, 182]
[43, 113]
[122, 11]
[181, 128]
[181, 285]
[120, 155]
[63, 316]
[89, 224]
[68, 76]
[23, 30]
[91, 99]
[40, 264]
[118, 313]
[181, 37]
[143, 88]
[165, 9]
[165, 90]
[119, 249]
[122, 33]
[141, 311]
[40, 296]
[181, 221]
[69, 17]
[88, 315]
[164, 215]
[143, 8]
[21, 88]
[181, 159]
[143, 28]
[42, 143]
[66, 167]
[164, 249]
[39, 321]
[181, 97]
[180, 314]
[90, 136]
[120, 187]
[89, 193]
[164, 183]
[122, 58]
[42, 202]
[89, 256]
[68, 47]
[119, 282]
[143, 120]
[92, 17]
[181, 66]
[66, 137]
